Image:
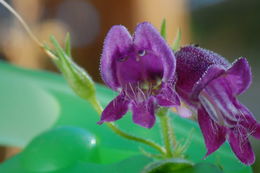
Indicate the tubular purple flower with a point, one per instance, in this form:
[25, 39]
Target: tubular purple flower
[210, 85]
[141, 68]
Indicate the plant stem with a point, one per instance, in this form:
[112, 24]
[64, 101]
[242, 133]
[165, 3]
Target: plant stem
[26, 27]
[167, 132]
[123, 134]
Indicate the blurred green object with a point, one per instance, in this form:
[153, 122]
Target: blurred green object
[33, 102]
[46, 152]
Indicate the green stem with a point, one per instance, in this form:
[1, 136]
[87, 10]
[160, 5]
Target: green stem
[20, 19]
[167, 132]
[123, 134]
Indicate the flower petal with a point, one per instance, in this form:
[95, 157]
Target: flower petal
[143, 113]
[118, 41]
[248, 121]
[214, 135]
[146, 37]
[210, 74]
[240, 145]
[167, 97]
[256, 132]
[239, 76]
[192, 62]
[115, 109]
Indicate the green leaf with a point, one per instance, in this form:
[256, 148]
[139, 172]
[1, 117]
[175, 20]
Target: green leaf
[59, 148]
[167, 166]
[163, 29]
[177, 41]
[200, 168]
[26, 109]
[68, 45]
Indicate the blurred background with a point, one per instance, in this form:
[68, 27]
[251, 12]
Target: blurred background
[229, 27]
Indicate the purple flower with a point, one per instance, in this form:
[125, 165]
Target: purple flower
[141, 68]
[208, 83]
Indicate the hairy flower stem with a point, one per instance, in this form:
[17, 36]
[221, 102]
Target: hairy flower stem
[167, 132]
[123, 134]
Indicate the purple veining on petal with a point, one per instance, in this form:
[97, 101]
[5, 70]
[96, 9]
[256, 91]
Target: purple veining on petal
[144, 113]
[214, 135]
[167, 97]
[219, 92]
[248, 121]
[240, 145]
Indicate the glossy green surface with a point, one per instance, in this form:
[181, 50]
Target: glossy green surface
[51, 104]
[60, 148]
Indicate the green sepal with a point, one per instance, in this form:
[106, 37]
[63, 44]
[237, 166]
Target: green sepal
[181, 147]
[78, 79]
[68, 45]
[177, 41]
[163, 29]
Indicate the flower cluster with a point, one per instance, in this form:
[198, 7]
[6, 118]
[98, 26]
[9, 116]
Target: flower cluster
[149, 75]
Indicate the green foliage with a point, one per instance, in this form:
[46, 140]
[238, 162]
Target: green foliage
[163, 29]
[177, 41]
[167, 166]
[60, 148]
[201, 168]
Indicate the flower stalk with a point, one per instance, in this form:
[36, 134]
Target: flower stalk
[97, 106]
[167, 132]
